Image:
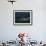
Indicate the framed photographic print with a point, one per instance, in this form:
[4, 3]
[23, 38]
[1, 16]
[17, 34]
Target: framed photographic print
[22, 17]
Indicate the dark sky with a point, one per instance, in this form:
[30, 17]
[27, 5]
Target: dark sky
[22, 14]
[22, 17]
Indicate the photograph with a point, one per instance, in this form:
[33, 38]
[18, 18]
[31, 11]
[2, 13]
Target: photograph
[22, 17]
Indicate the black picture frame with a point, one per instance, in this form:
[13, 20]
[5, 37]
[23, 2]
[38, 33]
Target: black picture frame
[22, 17]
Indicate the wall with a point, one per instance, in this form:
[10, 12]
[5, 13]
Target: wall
[37, 31]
